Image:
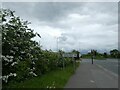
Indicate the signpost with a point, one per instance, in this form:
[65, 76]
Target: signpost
[71, 56]
[92, 55]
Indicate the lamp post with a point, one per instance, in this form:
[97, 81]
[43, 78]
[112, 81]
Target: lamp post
[57, 43]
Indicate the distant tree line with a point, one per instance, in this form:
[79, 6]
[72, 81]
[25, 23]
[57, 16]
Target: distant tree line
[115, 53]
[112, 54]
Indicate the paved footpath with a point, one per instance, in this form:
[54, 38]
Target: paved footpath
[90, 75]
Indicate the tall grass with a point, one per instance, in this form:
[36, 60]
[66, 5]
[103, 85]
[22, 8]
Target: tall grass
[54, 79]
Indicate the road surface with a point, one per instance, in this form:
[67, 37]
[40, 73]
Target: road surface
[110, 64]
[93, 76]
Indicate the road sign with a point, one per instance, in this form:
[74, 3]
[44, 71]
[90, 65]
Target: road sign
[69, 55]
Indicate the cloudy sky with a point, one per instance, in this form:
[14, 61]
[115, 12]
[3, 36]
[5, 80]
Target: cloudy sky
[75, 25]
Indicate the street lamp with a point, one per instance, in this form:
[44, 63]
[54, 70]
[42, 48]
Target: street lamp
[57, 38]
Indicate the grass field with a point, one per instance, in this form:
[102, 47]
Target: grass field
[54, 79]
[96, 58]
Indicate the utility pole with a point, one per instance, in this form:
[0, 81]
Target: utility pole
[92, 55]
[73, 62]
[57, 43]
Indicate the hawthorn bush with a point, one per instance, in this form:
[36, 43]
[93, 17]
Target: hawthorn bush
[18, 50]
[51, 59]
[23, 58]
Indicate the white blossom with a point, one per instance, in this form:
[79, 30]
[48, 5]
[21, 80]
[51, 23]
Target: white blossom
[7, 58]
[33, 73]
[15, 74]
[33, 68]
[22, 52]
[14, 63]
[16, 48]
[11, 51]
[5, 78]
[11, 56]
[33, 62]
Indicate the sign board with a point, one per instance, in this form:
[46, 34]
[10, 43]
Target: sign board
[79, 55]
[69, 55]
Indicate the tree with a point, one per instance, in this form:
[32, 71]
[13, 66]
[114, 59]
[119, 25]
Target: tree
[114, 53]
[105, 54]
[76, 52]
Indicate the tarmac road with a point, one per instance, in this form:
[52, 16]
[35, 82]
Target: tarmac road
[93, 76]
[110, 64]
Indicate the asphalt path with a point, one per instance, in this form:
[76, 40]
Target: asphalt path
[97, 75]
[109, 64]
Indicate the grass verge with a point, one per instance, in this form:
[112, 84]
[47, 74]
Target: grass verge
[53, 79]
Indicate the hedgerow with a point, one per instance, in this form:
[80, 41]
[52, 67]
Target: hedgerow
[23, 58]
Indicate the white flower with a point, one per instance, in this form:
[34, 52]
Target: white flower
[33, 68]
[10, 74]
[11, 51]
[5, 78]
[20, 57]
[22, 52]
[10, 60]
[7, 58]
[33, 62]
[15, 74]
[14, 63]
[16, 48]
[11, 56]
[34, 74]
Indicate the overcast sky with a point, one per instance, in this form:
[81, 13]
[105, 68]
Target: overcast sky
[77, 25]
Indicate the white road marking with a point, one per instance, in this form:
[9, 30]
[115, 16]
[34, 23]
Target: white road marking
[114, 74]
[92, 81]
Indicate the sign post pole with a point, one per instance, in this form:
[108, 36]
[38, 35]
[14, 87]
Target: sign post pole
[73, 63]
[92, 55]
[63, 62]
[63, 55]
[72, 57]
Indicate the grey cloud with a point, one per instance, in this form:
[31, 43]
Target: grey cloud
[51, 12]
[45, 11]
[22, 9]
[98, 28]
